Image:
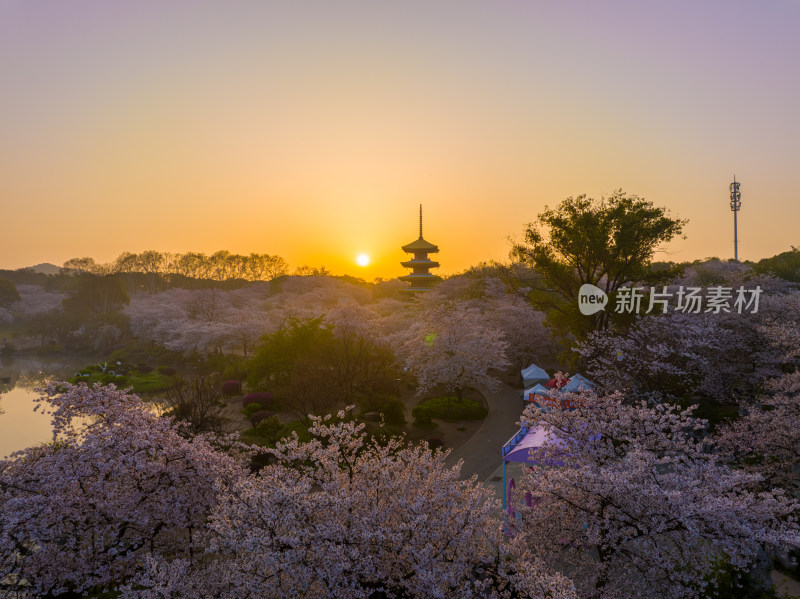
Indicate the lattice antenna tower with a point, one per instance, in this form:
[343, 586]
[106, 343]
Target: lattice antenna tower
[736, 205]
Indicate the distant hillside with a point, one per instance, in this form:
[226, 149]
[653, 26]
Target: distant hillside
[44, 268]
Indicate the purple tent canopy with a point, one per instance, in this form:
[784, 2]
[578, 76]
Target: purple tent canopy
[518, 448]
[522, 448]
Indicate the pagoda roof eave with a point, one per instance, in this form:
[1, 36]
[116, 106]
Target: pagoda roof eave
[411, 277]
[426, 263]
[420, 245]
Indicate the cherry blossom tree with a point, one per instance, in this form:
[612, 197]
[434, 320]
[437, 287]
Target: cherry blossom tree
[767, 439]
[633, 502]
[35, 300]
[204, 320]
[658, 358]
[312, 296]
[343, 516]
[453, 346]
[714, 272]
[117, 482]
[726, 357]
[523, 327]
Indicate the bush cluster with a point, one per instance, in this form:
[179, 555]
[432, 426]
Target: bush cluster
[264, 399]
[260, 415]
[393, 410]
[231, 387]
[449, 409]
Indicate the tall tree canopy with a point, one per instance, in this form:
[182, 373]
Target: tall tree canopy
[8, 293]
[608, 243]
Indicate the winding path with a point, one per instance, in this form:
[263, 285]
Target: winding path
[481, 454]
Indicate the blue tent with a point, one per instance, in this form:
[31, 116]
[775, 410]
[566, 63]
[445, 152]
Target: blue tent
[578, 382]
[533, 374]
[531, 393]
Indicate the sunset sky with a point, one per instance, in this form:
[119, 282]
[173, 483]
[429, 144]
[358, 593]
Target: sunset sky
[314, 129]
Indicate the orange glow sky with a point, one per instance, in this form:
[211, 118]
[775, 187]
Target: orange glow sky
[313, 129]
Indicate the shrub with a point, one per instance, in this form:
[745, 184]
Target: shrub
[265, 399]
[144, 368]
[231, 387]
[262, 415]
[167, 370]
[449, 409]
[299, 427]
[393, 410]
[421, 414]
[422, 418]
[251, 409]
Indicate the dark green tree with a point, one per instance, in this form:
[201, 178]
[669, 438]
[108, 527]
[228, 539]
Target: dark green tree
[608, 243]
[785, 265]
[314, 367]
[93, 312]
[8, 293]
[96, 297]
[279, 354]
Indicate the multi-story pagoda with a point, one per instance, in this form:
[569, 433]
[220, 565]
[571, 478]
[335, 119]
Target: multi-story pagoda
[420, 277]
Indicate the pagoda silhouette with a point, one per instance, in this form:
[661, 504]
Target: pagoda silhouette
[420, 278]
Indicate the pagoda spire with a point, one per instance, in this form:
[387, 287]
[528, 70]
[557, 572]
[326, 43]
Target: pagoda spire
[420, 277]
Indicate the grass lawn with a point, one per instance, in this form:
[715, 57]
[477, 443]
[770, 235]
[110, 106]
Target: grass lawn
[142, 382]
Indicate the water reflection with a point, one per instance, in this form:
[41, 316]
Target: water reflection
[20, 426]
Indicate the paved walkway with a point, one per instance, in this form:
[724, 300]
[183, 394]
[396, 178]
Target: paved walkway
[784, 585]
[481, 454]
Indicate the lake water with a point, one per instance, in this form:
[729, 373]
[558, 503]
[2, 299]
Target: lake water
[20, 426]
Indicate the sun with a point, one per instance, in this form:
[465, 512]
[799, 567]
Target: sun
[362, 260]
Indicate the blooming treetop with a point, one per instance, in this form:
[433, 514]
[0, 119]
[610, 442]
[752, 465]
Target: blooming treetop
[120, 500]
[452, 346]
[640, 507]
[343, 516]
[767, 440]
[116, 481]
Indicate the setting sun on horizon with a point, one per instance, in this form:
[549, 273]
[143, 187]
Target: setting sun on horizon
[362, 260]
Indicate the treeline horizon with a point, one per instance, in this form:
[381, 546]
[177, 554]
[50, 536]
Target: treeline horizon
[224, 266]
[219, 266]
